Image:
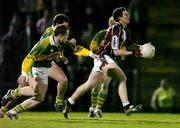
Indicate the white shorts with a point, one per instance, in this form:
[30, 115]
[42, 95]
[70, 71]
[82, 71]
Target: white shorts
[41, 72]
[98, 63]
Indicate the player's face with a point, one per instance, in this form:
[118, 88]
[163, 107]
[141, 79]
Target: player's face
[63, 38]
[125, 17]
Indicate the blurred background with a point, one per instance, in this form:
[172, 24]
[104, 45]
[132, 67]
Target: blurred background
[156, 21]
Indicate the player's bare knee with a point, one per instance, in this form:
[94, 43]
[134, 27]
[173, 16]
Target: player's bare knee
[40, 98]
[63, 80]
[91, 86]
[124, 78]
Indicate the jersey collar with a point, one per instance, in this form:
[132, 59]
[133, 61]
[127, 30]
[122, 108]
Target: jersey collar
[52, 41]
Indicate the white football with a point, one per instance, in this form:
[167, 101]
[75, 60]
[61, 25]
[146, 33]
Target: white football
[147, 50]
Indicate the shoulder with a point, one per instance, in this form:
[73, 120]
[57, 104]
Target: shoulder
[115, 29]
[50, 30]
[45, 40]
[159, 89]
[101, 32]
[117, 26]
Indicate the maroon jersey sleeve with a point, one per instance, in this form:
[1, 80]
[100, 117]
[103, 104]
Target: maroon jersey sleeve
[111, 31]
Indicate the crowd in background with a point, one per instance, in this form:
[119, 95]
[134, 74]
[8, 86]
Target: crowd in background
[23, 21]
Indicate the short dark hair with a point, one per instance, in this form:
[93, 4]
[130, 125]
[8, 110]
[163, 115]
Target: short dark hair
[60, 29]
[118, 12]
[60, 18]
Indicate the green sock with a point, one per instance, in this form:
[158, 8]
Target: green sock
[59, 100]
[19, 108]
[3, 109]
[94, 95]
[15, 93]
[101, 98]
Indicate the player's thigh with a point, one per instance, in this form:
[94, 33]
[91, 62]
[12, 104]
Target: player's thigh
[55, 72]
[42, 90]
[33, 82]
[114, 71]
[95, 77]
[39, 77]
[119, 73]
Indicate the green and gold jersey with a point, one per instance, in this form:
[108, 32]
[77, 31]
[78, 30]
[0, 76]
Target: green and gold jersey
[79, 50]
[44, 52]
[97, 40]
[49, 31]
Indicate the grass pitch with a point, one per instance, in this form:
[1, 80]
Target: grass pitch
[80, 120]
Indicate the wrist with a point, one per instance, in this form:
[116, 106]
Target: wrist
[91, 54]
[25, 75]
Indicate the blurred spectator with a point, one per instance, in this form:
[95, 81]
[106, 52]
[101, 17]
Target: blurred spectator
[1, 54]
[40, 7]
[163, 98]
[34, 8]
[1, 49]
[54, 4]
[11, 54]
[16, 21]
[28, 36]
[139, 19]
[43, 23]
[0, 93]
[87, 34]
[27, 6]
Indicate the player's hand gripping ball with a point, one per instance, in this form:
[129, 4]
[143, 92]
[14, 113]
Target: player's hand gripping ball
[147, 50]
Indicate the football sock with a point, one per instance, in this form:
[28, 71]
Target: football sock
[71, 101]
[126, 104]
[94, 95]
[3, 109]
[19, 108]
[101, 98]
[59, 100]
[15, 93]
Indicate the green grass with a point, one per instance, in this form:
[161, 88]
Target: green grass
[80, 120]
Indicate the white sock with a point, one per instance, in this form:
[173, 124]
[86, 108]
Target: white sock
[12, 111]
[91, 108]
[125, 103]
[71, 101]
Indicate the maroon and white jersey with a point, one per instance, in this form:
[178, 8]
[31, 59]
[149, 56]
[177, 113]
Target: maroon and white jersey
[115, 36]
